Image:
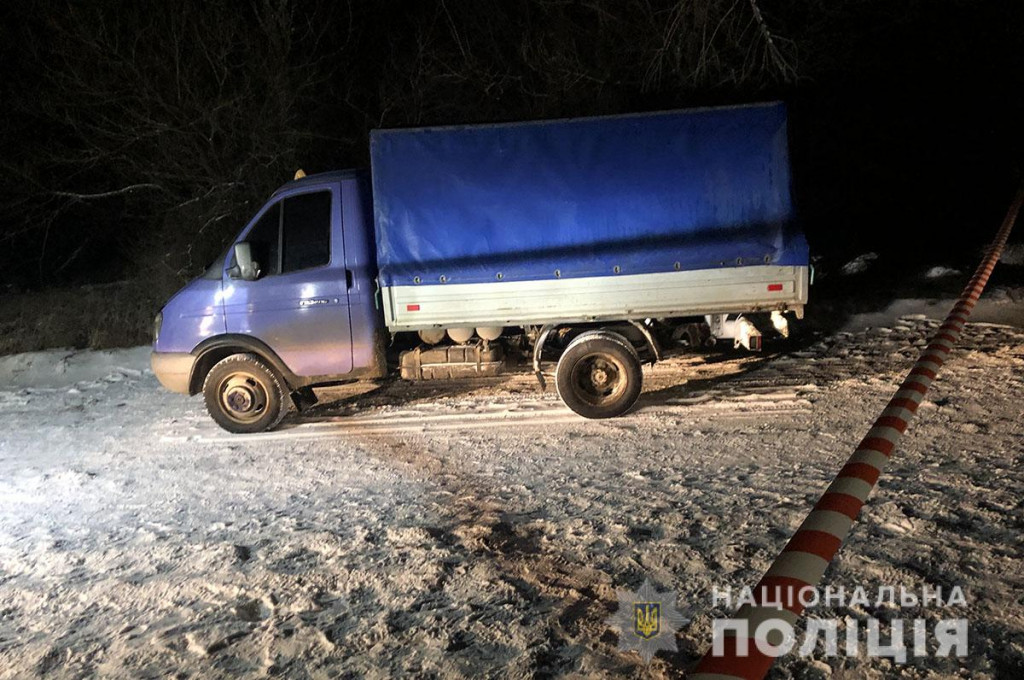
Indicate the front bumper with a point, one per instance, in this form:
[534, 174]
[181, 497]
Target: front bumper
[173, 369]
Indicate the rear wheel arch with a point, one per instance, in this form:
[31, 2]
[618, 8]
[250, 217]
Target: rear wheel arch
[554, 339]
[610, 334]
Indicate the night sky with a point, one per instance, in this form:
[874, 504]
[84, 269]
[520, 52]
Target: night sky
[138, 137]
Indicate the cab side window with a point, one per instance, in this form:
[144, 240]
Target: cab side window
[306, 231]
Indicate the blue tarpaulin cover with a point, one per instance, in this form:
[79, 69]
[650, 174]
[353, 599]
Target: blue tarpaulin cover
[696, 189]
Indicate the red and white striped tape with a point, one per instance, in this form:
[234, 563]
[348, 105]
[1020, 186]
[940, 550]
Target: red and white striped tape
[804, 559]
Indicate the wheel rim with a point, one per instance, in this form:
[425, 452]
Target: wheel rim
[243, 397]
[599, 379]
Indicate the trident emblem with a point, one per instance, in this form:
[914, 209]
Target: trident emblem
[648, 619]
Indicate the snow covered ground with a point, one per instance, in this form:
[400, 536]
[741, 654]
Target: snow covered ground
[481, 529]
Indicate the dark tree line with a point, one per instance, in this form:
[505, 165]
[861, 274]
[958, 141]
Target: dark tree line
[141, 134]
[138, 137]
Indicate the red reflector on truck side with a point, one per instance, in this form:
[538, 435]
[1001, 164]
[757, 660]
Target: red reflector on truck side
[774, 287]
[412, 308]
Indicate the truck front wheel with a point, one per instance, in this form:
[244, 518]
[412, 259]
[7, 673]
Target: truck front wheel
[599, 375]
[244, 395]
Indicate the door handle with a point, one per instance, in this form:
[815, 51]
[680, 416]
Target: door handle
[348, 278]
[312, 302]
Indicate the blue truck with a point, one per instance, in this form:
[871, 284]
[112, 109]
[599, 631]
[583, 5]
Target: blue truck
[594, 244]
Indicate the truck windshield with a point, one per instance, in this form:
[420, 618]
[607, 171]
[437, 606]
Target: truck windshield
[265, 240]
[215, 270]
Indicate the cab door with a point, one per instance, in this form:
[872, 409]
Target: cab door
[298, 305]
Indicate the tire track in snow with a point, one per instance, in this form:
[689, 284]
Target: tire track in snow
[529, 414]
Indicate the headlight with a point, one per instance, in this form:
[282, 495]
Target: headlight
[157, 322]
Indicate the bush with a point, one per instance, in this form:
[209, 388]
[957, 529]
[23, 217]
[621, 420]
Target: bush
[95, 317]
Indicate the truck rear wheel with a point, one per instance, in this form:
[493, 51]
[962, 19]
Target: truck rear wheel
[244, 395]
[599, 375]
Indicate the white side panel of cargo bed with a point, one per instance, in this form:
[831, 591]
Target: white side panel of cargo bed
[637, 296]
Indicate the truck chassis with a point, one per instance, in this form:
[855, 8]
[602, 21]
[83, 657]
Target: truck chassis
[598, 346]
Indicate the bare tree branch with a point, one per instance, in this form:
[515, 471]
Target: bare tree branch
[107, 194]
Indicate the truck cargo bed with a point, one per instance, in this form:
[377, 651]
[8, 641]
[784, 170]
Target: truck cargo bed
[638, 296]
[677, 213]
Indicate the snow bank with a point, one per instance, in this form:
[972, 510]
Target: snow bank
[859, 264]
[1000, 305]
[62, 367]
[940, 272]
[1013, 254]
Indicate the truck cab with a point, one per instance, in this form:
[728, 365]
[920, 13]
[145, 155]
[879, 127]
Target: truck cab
[289, 305]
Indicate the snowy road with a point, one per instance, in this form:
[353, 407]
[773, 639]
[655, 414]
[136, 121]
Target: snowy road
[481, 529]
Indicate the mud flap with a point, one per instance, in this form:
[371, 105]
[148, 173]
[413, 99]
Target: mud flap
[303, 398]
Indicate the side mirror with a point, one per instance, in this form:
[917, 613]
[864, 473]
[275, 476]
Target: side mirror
[245, 267]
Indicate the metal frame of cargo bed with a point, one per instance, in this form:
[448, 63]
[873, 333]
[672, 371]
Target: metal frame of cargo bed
[732, 290]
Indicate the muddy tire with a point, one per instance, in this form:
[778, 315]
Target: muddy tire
[244, 395]
[599, 375]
